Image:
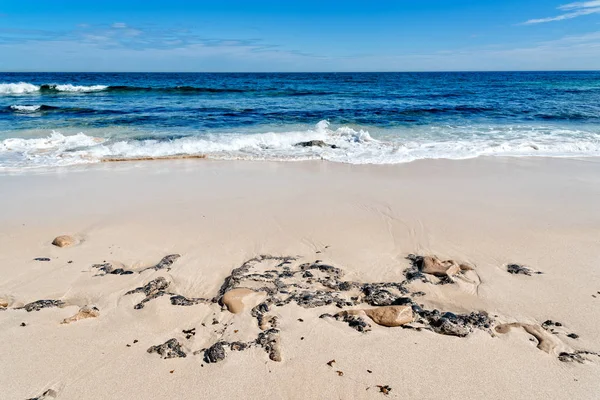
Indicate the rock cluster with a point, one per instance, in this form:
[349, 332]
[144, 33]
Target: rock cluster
[39, 304]
[108, 268]
[153, 289]
[170, 349]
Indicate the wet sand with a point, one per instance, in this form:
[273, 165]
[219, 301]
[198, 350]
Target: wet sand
[329, 246]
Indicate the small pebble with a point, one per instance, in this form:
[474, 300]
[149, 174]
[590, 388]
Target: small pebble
[128, 345]
[369, 371]
[171, 371]
[23, 324]
[330, 363]
[385, 389]
[300, 320]
[135, 340]
[302, 338]
[573, 335]
[340, 373]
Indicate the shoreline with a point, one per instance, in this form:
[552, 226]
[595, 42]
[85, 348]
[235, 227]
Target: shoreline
[365, 220]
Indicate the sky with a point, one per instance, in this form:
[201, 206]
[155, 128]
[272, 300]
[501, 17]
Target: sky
[307, 35]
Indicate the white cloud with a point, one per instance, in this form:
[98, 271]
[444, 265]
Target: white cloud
[574, 10]
[119, 25]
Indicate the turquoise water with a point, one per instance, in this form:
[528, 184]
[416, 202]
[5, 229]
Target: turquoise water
[49, 119]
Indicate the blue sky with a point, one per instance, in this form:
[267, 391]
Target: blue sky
[308, 35]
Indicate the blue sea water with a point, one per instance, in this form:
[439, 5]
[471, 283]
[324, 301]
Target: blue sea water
[50, 119]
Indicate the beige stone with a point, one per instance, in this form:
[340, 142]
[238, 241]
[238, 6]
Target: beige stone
[434, 266]
[390, 316]
[83, 313]
[64, 241]
[234, 299]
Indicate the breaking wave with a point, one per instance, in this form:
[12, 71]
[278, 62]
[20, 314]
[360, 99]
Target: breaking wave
[343, 144]
[25, 88]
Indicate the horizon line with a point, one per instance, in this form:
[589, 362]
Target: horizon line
[298, 72]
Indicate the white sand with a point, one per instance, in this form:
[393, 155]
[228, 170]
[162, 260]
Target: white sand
[487, 212]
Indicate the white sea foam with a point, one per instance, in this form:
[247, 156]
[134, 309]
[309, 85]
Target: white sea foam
[82, 89]
[24, 88]
[353, 146]
[25, 109]
[18, 88]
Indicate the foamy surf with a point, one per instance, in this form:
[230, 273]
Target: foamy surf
[343, 144]
[26, 88]
[25, 108]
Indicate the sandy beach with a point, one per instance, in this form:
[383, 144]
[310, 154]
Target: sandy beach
[159, 244]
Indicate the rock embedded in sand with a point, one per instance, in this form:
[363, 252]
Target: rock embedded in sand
[432, 265]
[391, 316]
[517, 269]
[179, 300]
[214, 353]
[571, 357]
[165, 263]
[64, 241]
[234, 299]
[269, 340]
[39, 304]
[45, 259]
[83, 313]
[153, 289]
[107, 268]
[170, 349]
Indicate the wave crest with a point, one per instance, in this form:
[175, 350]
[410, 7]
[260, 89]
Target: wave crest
[343, 144]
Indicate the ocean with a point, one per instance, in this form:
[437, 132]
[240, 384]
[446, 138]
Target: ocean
[59, 119]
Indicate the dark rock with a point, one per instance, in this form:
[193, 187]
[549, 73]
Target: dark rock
[41, 259]
[121, 271]
[179, 300]
[189, 333]
[153, 289]
[107, 268]
[354, 321]
[269, 340]
[315, 143]
[517, 269]
[214, 353]
[170, 349]
[571, 357]
[402, 301]
[385, 389]
[573, 335]
[238, 346]
[165, 263]
[417, 308]
[379, 297]
[450, 316]
[444, 326]
[38, 305]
